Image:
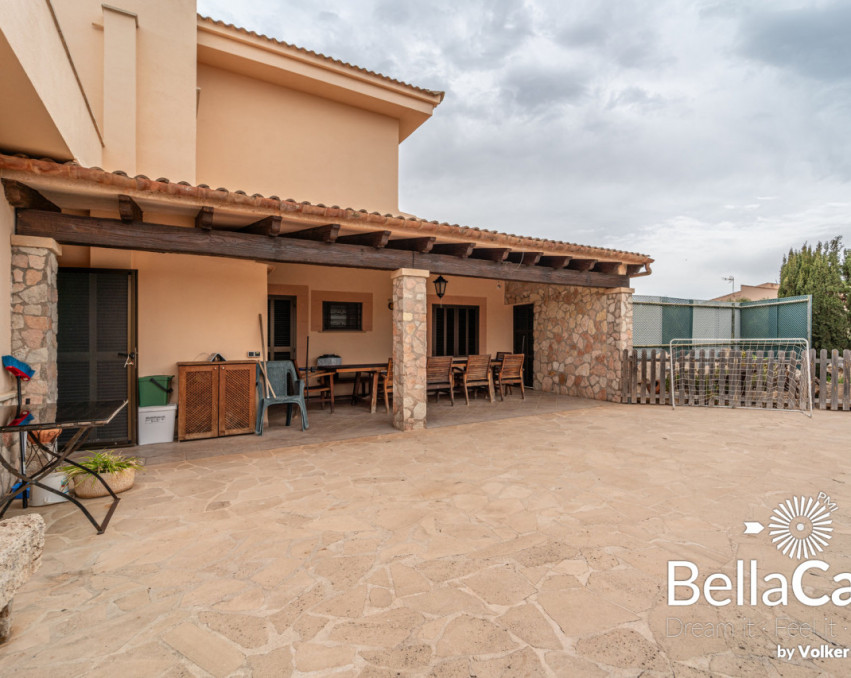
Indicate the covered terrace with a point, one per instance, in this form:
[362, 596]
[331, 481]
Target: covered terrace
[169, 232]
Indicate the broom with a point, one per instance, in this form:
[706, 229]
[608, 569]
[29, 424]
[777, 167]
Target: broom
[267, 384]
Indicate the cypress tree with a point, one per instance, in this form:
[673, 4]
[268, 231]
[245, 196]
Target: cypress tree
[824, 271]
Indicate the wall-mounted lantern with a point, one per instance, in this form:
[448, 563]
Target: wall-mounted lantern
[440, 286]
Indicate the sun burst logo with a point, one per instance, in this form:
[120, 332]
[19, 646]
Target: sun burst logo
[800, 527]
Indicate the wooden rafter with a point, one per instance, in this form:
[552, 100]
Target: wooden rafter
[581, 264]
[128, 209]
[607, 266]
[372, 239]
[490, 253]
[525, 258]
[326, 233]
[454, 249]
[97, 232]
[632, 269]
[23, 197]
[413, 244]
[556, 262]
[270, 226]
[204, 218]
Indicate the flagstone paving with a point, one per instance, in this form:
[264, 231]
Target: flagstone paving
[535, 546]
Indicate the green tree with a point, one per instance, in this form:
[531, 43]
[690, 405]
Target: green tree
[824, 271]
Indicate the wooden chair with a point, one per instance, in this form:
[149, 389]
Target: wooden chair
[385, 384]
[439, 376]
[478, 373]
[323, 385]
[281, 374]
[510, 372]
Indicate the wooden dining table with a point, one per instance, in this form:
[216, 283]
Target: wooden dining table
[364, 373]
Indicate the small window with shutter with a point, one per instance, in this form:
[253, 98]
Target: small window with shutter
[342, 316]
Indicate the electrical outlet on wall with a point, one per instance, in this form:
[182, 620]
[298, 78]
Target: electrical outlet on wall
[254, 354]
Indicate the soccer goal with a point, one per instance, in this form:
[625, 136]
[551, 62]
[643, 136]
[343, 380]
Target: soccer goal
[771, 374]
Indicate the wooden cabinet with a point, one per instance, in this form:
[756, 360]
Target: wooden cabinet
[216, 399]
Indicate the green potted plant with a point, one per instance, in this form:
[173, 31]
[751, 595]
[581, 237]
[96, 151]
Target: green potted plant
[117, 470]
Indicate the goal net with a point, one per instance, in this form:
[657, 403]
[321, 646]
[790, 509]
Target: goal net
[771, 374]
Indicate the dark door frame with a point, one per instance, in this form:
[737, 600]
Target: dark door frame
[529, 349]
[270, 347]
[132, 347]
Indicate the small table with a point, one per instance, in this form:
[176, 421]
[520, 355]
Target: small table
[369, 370]
[78, 417]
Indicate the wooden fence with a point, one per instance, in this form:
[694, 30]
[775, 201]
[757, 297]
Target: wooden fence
[721, 378]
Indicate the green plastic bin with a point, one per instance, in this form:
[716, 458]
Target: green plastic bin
[155, 390]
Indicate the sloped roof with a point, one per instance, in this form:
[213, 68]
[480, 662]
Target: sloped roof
[331, 60]
[305, 211]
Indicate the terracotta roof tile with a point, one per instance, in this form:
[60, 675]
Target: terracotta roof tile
[319, 55]
[345, 216]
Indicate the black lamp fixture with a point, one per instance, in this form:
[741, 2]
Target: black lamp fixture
[440, 286]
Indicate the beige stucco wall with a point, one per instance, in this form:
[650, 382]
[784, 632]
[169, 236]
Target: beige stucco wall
[260, 137]
[496, 318]
[165, 81]
[44, 110]
[188, 306]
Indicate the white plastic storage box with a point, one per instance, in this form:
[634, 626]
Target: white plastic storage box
[156, 424]
[40, 497]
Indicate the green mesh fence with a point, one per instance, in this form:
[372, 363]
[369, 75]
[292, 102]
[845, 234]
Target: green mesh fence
[657, 320]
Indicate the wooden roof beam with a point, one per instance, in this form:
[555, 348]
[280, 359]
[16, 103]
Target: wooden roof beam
[22, 196]
[632, 269]
[270, 226]
[204, 218]
[113, 233]
[581, 264]
[326, 233]
[377, 239]
[454, 249]
[554, 261]
[421, 245]
[525, 258]
[490, 253]
[129, 210]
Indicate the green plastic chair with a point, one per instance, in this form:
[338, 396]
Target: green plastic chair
[281, 374]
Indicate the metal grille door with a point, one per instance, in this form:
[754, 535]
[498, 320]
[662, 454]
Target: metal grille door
[97, 332]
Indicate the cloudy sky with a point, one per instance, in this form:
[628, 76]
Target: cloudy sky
[712, 135]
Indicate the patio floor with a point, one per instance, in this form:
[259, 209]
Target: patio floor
[355, 421]
[532, 546]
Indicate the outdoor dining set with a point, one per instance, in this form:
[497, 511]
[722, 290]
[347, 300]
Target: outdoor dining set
[282, 382]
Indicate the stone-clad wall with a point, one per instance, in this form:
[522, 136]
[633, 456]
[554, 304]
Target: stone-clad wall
[580, 335]
[34, 313]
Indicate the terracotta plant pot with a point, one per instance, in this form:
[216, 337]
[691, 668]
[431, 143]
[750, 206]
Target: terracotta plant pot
[88, 487]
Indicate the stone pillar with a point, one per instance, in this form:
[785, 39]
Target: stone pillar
[410, 348]
[580, 336]
[34, 313]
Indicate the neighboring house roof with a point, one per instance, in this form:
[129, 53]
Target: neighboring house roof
[69, 177]
[746, 290]
[295, 48]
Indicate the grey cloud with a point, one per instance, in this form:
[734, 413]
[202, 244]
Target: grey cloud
[638, 98]
[620, 33]
[530, 91]
[814, 42]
